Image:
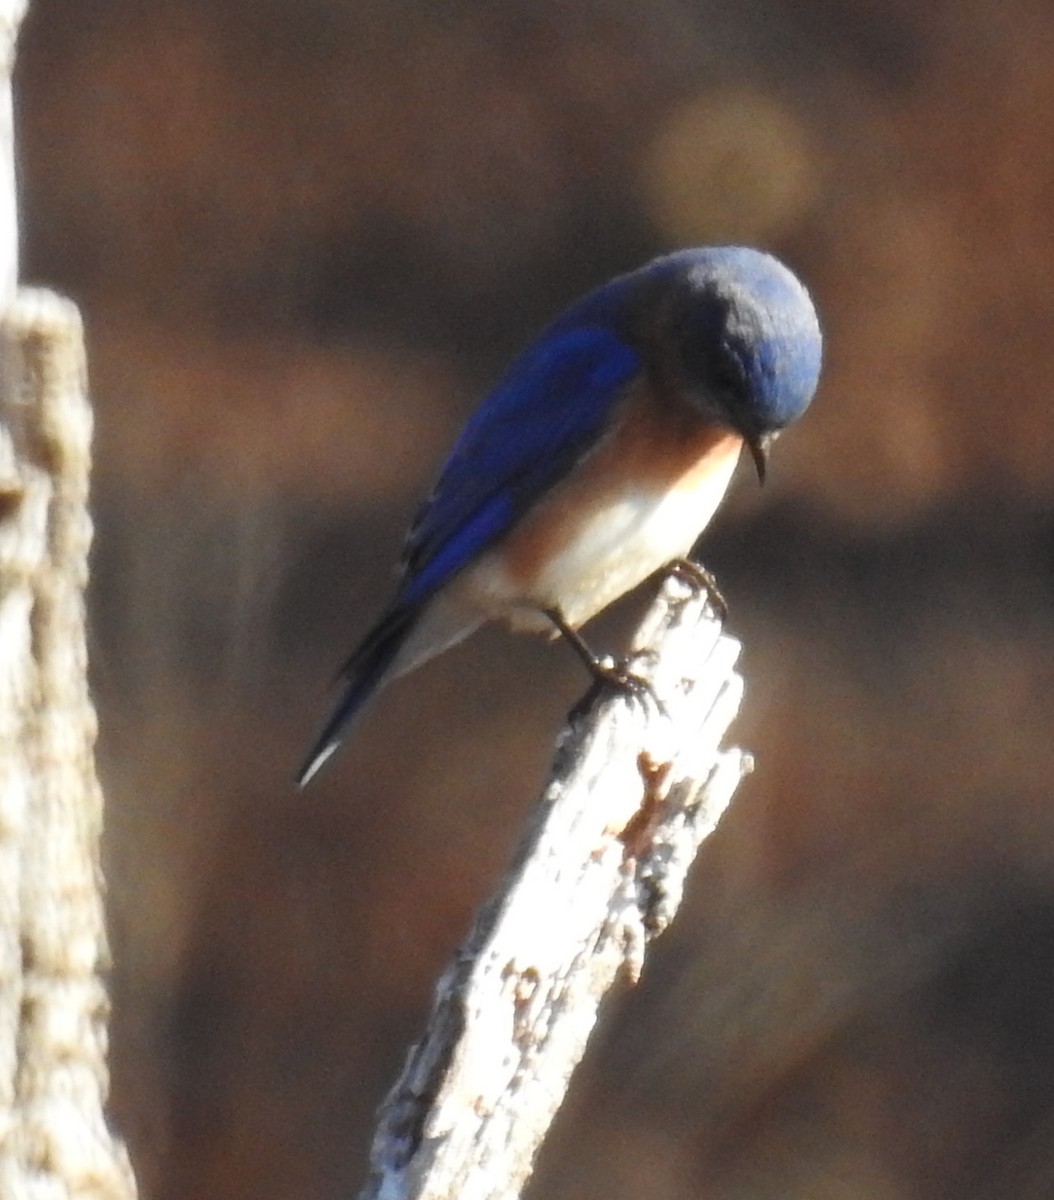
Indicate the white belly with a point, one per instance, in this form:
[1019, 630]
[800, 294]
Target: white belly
[616, 544]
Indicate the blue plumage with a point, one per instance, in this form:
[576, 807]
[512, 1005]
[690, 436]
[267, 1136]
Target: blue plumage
[506, 457]
[669, 369]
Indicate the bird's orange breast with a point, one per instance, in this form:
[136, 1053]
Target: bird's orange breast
[638, 500]
[654, 449]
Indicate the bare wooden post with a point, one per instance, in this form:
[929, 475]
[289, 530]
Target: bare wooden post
[54, 1141]
[11, 14]
[635, 789]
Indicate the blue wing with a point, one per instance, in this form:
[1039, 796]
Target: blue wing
[547, 411]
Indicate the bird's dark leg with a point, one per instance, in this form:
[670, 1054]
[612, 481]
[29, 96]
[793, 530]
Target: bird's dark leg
[614, 674]
[697, 576]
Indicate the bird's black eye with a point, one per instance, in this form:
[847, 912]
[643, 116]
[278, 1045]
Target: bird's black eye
[727, 372]
[708, 359]
[696, 331]
[710, 367]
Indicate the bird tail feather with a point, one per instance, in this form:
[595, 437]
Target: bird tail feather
[363, 673]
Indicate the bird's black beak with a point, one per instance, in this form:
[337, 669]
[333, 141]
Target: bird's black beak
[759, 452]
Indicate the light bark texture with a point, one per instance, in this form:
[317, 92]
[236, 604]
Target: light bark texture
[54, 1140]
[11, 14]
[635, 788]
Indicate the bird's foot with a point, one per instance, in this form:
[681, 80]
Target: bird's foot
[701, 580]
[607, 671]
[614, 673]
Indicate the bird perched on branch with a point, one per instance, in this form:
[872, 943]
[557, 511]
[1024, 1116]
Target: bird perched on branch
[598, 458]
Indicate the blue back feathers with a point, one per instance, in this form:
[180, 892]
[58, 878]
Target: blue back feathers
[731, 326]
[545, 413]
[726, 332]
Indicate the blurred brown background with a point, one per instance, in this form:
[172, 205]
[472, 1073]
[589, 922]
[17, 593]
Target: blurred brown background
[305, 237]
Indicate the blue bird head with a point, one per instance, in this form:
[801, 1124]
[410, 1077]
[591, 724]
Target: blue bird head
[734, 332]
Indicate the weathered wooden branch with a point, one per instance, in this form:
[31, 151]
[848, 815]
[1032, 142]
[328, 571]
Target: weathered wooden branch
[600, 872]
[54, 1141]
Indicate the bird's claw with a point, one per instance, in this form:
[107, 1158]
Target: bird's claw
[701, 580]
[615, 673]
[606, 671]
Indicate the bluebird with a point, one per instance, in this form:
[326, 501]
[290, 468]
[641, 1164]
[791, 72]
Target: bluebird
[597, 459]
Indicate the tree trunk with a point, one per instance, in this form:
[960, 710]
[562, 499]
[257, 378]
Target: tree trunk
[54, 1141]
